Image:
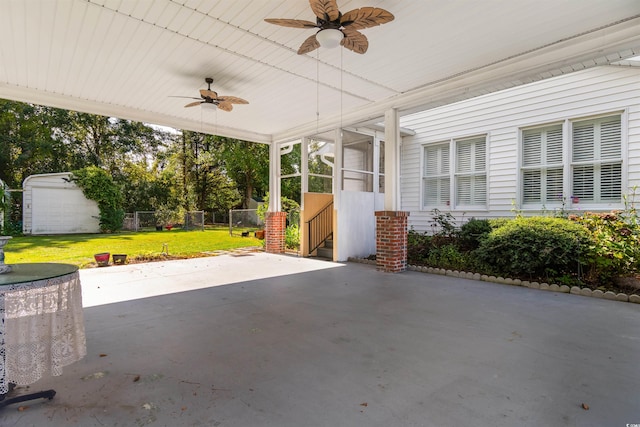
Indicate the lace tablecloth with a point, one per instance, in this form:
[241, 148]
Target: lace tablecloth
[42, 327]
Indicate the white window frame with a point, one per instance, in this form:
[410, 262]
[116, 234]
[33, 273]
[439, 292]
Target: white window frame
[598, 161]
[453, 174]
[544, 166]
[444, 172]
[477, 171]
[569, 200]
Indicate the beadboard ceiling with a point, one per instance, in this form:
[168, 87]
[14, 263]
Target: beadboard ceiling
[129, 58]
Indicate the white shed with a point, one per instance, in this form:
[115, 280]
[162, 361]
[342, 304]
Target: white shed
[53, 204]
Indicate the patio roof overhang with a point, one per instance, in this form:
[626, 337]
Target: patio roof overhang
[129, 58]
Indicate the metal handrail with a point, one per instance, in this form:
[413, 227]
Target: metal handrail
[320, 227]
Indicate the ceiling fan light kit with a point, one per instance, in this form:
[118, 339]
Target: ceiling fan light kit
[207, 106]
[211, 99]
[329, 38]
[336, 27]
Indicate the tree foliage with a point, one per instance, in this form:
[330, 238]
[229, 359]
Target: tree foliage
[247, 164]
[97, 184]
[152, 168]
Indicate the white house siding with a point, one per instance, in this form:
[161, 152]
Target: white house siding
[502, 115]
[52, 204]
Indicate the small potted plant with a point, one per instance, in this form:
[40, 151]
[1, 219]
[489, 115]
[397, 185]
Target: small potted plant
[102, 259]
[119, 259]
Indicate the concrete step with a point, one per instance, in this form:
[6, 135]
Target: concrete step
[326, 253]
[328, 243]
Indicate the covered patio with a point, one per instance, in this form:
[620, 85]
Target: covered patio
[137, 59]
[292, 341]
[265, 339]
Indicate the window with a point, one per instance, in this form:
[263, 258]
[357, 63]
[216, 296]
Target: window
[597, 160]
[589, 170]
[469, 179]
[471, 175]
[542, 168]
[357, 162]
[436, 181]
[320, 165]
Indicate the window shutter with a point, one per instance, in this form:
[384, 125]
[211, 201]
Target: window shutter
[599, 142]
[583, 138]
[531, 186]
[463, 157]
[583, 183]
[610, 182]
[554, 145]
[610, 137]
[436, 160]
[542, 162]
[554, 187]
[481, 155]
[532, 148]
[471, 179]
[436, 182]
[463, 190]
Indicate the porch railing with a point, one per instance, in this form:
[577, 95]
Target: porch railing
[320, 227]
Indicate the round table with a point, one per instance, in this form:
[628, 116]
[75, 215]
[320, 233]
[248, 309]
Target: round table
[42, 323]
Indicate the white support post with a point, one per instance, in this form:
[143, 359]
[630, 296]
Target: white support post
[337, 169]
[304, 169]
[274, 177]
[392, 160]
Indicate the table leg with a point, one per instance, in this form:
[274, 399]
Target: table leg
[46, 394]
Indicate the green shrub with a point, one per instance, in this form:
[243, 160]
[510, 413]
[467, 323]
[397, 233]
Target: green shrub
[419, 246]
[472, 233]
[448, 257]
[537, 247]
[443, 224]
[615, 247]
[292, 236]
[291, 207]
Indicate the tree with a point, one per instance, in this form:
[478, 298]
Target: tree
[107, 142]
[28, 144]
[96, 184]
[247, 163]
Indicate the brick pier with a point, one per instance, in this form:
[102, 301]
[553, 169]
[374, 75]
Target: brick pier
[275, 227]
[391, 241]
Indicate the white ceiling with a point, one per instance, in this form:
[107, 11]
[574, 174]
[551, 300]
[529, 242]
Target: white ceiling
[127, 58]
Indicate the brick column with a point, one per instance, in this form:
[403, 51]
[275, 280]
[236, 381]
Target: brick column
[391, 241]
[275, 226]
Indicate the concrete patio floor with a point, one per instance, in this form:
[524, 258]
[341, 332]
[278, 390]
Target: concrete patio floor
[270, 340]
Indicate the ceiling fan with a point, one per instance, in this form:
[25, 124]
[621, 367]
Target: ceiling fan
[336, 27]
[207, 96]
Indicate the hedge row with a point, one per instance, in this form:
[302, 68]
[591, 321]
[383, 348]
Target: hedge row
[591, 249]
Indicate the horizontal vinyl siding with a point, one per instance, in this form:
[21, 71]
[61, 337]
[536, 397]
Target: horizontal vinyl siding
[633, 148]
[502, 114]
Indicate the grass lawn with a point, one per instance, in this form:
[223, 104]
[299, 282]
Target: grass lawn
[78, 249]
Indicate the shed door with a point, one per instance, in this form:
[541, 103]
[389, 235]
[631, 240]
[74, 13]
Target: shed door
[63, 211]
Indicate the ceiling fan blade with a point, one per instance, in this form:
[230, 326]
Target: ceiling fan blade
[354, 40]
[184, 97]
[294, 23]
[326, 10]
[310, 44]
[366, 17]
[232, 100]
[193, 104]
[225, 106]
[206, 93]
